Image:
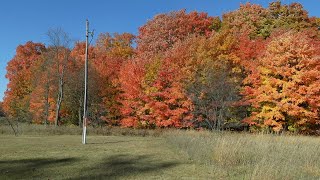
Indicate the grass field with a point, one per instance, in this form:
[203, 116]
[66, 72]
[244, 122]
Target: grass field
[104, 157]
[170, 155]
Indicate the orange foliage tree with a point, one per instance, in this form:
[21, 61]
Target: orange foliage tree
[284, 91]
[42, 99]
[20, 75]
[111, 51]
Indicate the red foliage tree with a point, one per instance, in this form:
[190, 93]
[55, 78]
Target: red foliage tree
[164, 30]
[154, 97]
[131, 77]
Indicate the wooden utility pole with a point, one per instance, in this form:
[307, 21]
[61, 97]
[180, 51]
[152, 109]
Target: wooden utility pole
[85, 108]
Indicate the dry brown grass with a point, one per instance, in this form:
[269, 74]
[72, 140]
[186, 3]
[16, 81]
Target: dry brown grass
[249, 156]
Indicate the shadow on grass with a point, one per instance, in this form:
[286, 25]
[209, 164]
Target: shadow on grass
[24, 168]
[115, 142]
[122, 166]
[111, 142]
[116, 166]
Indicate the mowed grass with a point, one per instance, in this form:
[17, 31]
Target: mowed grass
[171, 154]
[104, 157]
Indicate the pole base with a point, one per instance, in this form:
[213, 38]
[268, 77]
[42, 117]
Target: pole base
[84, 135]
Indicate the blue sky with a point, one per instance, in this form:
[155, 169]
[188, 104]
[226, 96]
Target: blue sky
[25, 20]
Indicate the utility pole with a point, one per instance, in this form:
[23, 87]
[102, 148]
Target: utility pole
[85, 101]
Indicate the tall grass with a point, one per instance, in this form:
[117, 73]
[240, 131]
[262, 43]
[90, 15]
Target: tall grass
[249, 156]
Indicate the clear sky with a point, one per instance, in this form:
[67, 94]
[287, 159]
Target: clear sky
[29, 20]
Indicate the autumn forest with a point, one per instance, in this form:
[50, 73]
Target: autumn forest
[255, 67]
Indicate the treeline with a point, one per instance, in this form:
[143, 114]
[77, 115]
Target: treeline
[255, 65]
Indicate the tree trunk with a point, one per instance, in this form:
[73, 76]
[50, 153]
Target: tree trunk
[60, 42]
[14, 130]
[59, 101]
[47, 103]
[220, 119]
[57, 117]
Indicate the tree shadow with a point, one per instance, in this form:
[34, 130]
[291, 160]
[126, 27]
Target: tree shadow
[111, 167]
[115, 142]
[121, 166]
[111, 142]
[13, 169]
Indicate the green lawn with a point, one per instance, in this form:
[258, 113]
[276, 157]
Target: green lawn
[104, 157]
